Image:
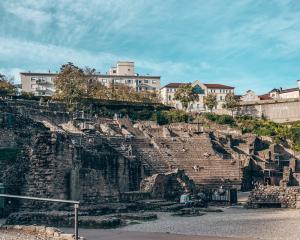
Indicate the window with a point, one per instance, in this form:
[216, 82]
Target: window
[129, 81]
[221, 98]
[198, 106]
[146, 81]
[104, 80]
[33, 78]
[114, 71]
[154, 81]
[169, 97]
[198, 89]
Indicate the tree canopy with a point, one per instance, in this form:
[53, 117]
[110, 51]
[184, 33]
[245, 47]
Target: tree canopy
[231, 102]
[6, 86]
[210, 101]
[70, 83]
[186, 95]
[73, 83]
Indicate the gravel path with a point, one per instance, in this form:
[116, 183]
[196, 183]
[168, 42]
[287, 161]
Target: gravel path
[270, 224]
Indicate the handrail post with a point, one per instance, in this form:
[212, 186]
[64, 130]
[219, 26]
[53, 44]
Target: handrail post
[76, 206]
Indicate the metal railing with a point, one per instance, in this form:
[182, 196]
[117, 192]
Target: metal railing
[76, 206]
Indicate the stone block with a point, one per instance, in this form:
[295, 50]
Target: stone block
[66, 236]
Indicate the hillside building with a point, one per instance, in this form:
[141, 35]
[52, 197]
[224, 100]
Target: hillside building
[203, 89]
[42, 84]
[276, 93]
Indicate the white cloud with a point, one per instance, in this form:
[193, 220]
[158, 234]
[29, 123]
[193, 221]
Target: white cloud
[209, 40]
[12, 73]
[45, 55]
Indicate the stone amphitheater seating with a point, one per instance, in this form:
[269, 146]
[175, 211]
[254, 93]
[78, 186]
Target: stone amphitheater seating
[194, 154]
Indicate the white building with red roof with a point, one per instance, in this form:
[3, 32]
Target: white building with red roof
[203, 89]
[276, 93]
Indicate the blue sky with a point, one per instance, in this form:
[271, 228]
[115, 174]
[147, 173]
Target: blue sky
[244, 43]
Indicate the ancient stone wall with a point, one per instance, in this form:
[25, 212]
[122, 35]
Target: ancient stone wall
[60, 164]
[281, 110]
[270, 196]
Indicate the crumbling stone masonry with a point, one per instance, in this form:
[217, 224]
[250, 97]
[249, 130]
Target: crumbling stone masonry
[272, 196]
[50, 152]
[60, 164]
[168, 186]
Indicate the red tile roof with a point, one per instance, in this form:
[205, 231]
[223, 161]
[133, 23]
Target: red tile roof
[175, 85]
[289, 90]
[219, 86]
[265, 97]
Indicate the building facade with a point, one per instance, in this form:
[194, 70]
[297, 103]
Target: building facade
[284, 93]
[42, 84]
[203, 89]
[274, 94]
[39, 84]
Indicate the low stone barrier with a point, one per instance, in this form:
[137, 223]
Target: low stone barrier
[271, 196]
[134, 196]
[66, 219]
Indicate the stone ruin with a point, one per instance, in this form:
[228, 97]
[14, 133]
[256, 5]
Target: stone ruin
[96, 159]
[274, 196]
[168, 186]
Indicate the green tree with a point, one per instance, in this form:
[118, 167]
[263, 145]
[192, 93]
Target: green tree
[231, 102]
[94, 88]
[70, 84]
[6, 86]
[186, 94]
[210, 101]
[295, 137]
[98, 91]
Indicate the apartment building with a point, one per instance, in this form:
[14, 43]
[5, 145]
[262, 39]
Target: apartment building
[284, 93]
[276, 93]
[203, 89]
[42, 84]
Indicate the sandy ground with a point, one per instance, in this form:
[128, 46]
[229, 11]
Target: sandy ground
[270, 224]
[234, 223]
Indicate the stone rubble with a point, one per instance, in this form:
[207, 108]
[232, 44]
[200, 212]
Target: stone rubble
[169, 185]
[285, 197]
[33, 232]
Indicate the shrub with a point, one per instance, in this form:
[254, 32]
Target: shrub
[225, 119]
[295, 137]
[220, 119]
[210, 116]
[172, 116]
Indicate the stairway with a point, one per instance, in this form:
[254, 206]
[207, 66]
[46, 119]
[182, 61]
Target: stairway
[142, 150]
[196, 156]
